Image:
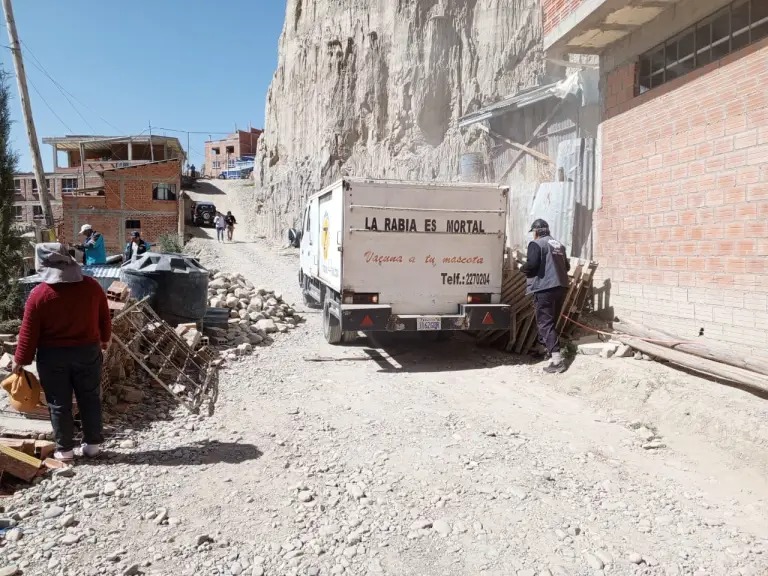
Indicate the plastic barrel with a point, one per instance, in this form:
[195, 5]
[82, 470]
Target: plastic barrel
[472, 167]
[141, 285]
[180, 285]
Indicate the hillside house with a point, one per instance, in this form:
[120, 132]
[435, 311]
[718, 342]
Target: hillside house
[143, 197]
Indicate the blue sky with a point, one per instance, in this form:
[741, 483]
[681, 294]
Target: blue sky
[196, 65]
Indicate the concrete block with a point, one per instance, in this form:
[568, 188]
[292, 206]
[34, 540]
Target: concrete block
[598, 349]
[609, 350]
[624, 351]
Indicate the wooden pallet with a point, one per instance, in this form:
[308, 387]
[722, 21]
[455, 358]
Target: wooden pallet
[522, 335]
[190, 376]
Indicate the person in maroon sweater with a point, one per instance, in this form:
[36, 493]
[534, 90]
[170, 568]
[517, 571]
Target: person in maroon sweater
[67, 324]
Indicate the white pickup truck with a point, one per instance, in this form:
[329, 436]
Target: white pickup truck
[404, 256]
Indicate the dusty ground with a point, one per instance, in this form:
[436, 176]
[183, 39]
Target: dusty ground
[414, 459]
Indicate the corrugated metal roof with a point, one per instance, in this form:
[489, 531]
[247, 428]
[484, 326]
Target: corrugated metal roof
[520, 100]
[102, 271]
[92, 271]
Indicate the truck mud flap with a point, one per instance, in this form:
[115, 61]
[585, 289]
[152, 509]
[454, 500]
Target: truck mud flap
[487, 316]
[364, 317]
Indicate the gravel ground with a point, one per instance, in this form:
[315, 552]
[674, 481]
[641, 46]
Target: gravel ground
[406, 458]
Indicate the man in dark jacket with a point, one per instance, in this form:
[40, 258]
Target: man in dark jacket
[546, 268]
[230, 221]
[136, 247]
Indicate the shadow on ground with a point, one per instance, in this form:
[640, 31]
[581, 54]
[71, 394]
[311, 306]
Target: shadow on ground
[410, 353]
[205, 187]
[197, 454]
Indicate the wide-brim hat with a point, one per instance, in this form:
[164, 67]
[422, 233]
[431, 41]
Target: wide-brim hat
[54, 264]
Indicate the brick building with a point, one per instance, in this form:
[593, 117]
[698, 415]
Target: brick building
[221, 155]
[26, 204]
[70, 174]
[681, 231]
[142, 197]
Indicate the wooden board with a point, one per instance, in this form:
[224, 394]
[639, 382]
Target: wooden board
[521, 337]
[18, 464]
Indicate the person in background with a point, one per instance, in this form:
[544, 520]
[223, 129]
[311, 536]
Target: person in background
[135, 248]
[93, 249]
[220, 224]
[67, 325]
[546, 268]
[230, 221]
[192, 171]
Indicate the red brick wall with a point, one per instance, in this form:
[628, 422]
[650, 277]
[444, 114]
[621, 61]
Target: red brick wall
[249, 142]
[128, 196]
[244, 143]
[555, 11]
[683, 228]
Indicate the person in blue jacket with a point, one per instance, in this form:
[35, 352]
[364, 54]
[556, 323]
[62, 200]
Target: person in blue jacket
[94, 251]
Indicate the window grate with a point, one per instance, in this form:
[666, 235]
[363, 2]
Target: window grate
[732, 28]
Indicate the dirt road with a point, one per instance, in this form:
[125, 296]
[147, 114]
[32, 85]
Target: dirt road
[421, 459]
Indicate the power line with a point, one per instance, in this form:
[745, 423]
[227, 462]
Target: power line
[63, 94]
[189, 131]
[49, 107]
[66, 93]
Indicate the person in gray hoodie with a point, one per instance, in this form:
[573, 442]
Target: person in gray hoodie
[546, 268]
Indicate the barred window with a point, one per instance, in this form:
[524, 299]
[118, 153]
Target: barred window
[740, 24]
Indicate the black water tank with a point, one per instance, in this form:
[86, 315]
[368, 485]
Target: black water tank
[177, 285]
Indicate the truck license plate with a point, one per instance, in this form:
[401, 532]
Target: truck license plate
[428, 324]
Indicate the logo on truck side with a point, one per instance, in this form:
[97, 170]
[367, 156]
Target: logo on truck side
[326, 238]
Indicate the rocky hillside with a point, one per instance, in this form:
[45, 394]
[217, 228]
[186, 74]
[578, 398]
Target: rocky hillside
[375, 88]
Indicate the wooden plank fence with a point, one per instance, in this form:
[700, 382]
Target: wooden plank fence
[522, 336]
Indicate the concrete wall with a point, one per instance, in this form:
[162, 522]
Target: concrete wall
[127, 196]
[682, 235]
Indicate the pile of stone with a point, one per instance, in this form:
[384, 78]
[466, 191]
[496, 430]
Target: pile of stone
[255, 315]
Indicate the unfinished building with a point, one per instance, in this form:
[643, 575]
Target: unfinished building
[236, 151]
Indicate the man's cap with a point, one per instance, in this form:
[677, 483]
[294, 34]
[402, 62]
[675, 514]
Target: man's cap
[135, 234]
[85, 228]
[539, 225]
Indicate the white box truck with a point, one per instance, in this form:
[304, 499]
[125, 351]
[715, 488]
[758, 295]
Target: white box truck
[404, 256]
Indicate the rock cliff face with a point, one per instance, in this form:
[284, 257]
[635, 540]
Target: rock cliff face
[375, 88]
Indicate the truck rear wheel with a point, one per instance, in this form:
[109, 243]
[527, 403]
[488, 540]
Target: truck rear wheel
[331, 326]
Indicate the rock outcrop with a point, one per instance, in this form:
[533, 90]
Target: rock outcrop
[375, 88]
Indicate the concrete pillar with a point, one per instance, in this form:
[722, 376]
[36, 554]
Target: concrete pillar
[165, 151]
[130, 150]
[55, 158]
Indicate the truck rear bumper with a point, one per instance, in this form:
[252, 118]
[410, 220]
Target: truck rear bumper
[379, 318]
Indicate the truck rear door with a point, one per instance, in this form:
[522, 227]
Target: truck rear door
[424, 248]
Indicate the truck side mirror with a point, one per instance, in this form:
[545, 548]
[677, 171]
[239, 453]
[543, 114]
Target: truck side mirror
[294, 237]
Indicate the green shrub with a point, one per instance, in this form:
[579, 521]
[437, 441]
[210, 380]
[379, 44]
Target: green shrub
[170, 244]
[11, 260]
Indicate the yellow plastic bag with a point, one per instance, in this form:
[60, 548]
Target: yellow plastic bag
[24, 390]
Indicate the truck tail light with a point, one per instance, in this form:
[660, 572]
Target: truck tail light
[353, 298]
[478, 298]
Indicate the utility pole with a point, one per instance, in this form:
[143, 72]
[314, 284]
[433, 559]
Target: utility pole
[34, 145]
